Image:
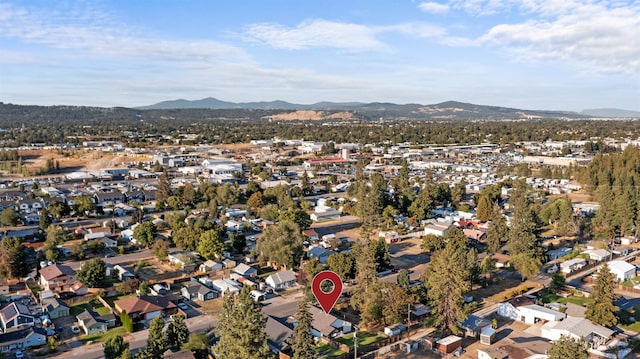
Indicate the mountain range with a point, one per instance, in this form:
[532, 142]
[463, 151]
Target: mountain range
[444, 110]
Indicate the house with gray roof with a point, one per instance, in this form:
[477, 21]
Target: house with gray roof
[282, 280]
[22, 338]
[55, 307]
[15, 314]
[194, 290]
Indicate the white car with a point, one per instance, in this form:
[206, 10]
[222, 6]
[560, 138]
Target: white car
[19, 354]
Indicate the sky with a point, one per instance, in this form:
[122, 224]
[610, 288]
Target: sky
[530, 54]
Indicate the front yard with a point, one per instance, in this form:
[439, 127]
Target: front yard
[550, 298]
[364, 339]
[101, 338]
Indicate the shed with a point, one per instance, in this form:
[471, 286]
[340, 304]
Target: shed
[487, 335]
[395, 329]
[449, 344]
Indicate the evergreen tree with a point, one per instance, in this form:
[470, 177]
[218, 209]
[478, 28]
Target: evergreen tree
[568, 348]
[523, 247]
[155, 340]
[498, 231]
[343, 264]
[9, 217]
[114, 347]
[241, 328]
[483, 210]
[127, 322]
[303, 342]
[13, 259]
[45, 219]
[164, 190]
[177, 332]
[446, 279]
[601, 309]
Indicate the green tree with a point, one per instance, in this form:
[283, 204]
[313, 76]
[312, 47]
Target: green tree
[45, 219]
[431, 242]
[83, 204]
[114, 347]
[446, 279]
[523, 246]
[59, 209]
[421, 207]
[343, 264]
[177, 332]
[186, 238]
[483, 210]
[381, 254]
[302, 343]
[568, 348]
[403, 278]
[601, 309]
[127, 322]
[557, 282]
[13, 259]
[198, 342]
[92, 273]
[188, 194]
[211, 244]
[9, 217]
[297, 216]
[145, 234]
[164, 190]
[238, 241]
[155, 339]
[160, 249]
[241, 328]
[281, 244]
[498, 231]
[126, 354]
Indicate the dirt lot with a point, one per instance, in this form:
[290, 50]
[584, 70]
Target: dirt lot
[70, 161]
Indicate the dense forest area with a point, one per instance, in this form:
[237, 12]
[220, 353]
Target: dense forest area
[22, 125]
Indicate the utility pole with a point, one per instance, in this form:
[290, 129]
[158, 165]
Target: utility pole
[355, 342]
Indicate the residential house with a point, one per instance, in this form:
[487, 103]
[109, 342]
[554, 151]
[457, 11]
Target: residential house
[558, 253]
[194, 290]
[501, 260]
[510, 349]
[438, 228]
[90, 323]
[22, 338]
[576, 327]
[474, 235]
[30, 205]
[55, 307]
[144, 307]
[181, 354]
[246, 271]
[282, 280]
[15, 314]
[123, 273]
[183, 260]
[622, 270]
[598, 255]
[571, 265]
[57, 278]
[321, 254]
[523, 309]
[224, 285]
[210, 266]
[473, 325]
[311, 234]
[106, 199]
[109, 242]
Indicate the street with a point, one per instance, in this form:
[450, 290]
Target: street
[137, 340]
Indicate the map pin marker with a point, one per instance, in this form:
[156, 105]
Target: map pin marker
[326, 300]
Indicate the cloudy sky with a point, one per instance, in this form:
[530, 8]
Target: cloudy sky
[532, 54]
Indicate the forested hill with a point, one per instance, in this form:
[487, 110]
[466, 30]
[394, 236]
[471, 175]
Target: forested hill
[445, 111]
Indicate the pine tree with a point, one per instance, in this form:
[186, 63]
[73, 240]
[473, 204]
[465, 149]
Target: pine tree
[601, 309]
[446, 279]
[114, 347]
[483, 210]
[177, 332]
[498, 231]
[302, 342]
[523, 247]
[45, 219]
[164, 190]
[242, 328]
[155, 342]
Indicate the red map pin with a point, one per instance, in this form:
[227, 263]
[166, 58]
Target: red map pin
[326, 300]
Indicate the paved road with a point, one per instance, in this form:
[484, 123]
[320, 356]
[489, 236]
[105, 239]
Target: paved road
[137, 340]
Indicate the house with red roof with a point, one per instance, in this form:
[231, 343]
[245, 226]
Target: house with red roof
[145, 307]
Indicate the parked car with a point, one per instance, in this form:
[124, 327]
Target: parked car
[75, 329]
[183, 306]
[19, 354]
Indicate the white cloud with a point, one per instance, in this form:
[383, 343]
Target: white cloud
[316, 33]
[594, 36]
[434, 7]
[93, 31]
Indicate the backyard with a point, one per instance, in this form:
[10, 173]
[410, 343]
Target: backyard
[551, 298]
[92, 305]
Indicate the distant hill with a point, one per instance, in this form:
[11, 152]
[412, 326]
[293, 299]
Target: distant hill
[610, 112]
[450, 110]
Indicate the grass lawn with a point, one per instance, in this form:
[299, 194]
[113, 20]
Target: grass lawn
[364, 339]
[264, 272]
[327, 351]
[549, 298]
[634, 327]
[115, 332]
[92, 305]
[631, 282]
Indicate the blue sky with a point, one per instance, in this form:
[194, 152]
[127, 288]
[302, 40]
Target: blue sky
[532, 54]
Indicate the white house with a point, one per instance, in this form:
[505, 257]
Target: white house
[524, 310]
[438, 229]
[598, 254]
[572, 265]
[222, 285]
[577, 328]
[622, 270]
[282, 280]
[210, 266]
